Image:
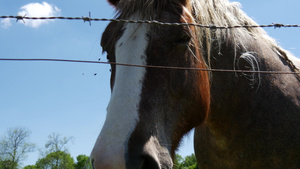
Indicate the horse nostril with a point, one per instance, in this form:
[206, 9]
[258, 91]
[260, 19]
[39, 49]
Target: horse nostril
[149, 163]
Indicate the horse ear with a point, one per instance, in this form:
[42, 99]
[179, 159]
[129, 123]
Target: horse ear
[114, 2]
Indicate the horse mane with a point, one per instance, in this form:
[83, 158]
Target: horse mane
[216, 13]
[225, 13]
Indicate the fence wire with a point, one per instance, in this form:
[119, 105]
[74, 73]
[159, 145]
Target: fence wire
[152, 66]
[89, 19]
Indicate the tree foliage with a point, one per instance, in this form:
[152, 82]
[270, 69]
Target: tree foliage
[189, 162]
[30, 167]
[177, 161]
[57, 143]
[83, 162]
[56, 160]
[50, 161]
[14, 147]
[56, 155]
[8, 164]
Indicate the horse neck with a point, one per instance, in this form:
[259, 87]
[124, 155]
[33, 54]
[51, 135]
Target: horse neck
[235, 93]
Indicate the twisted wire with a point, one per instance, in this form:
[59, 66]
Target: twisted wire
[153, 66]
[89, 19]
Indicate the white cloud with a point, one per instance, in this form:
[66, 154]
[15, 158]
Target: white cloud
[6, 23]
[38, 10]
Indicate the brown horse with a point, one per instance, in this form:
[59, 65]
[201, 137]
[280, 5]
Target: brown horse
[242, 120]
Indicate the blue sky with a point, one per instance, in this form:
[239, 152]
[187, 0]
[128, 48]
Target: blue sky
[67, 98]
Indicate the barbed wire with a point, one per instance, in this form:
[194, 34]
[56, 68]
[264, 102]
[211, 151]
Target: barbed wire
[153, 66]
[89, 19]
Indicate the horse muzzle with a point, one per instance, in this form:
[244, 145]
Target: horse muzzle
[147, 156]
[151, 155]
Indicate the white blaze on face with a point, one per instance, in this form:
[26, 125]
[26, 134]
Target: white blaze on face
[122, 111]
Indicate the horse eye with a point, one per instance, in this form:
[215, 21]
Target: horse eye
[183, 38]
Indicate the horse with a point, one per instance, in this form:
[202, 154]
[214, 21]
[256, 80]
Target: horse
[243, 118]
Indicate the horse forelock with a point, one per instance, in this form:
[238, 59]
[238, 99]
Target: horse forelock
[147, 8]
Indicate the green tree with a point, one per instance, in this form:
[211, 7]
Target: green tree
[83, 162]
[177, 161]
[189, 162]
[56, 155]
[57, 143]
[8, 164]
[56, 160]
[30, 167]
[15, 146]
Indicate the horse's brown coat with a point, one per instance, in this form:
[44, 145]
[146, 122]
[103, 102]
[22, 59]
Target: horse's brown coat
[253, 119]
[251, 125]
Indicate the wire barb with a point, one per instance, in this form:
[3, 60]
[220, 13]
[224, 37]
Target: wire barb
[20, 18]
[278, 25]
[88, 19]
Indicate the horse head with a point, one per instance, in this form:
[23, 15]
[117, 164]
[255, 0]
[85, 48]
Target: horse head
[150, 109]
